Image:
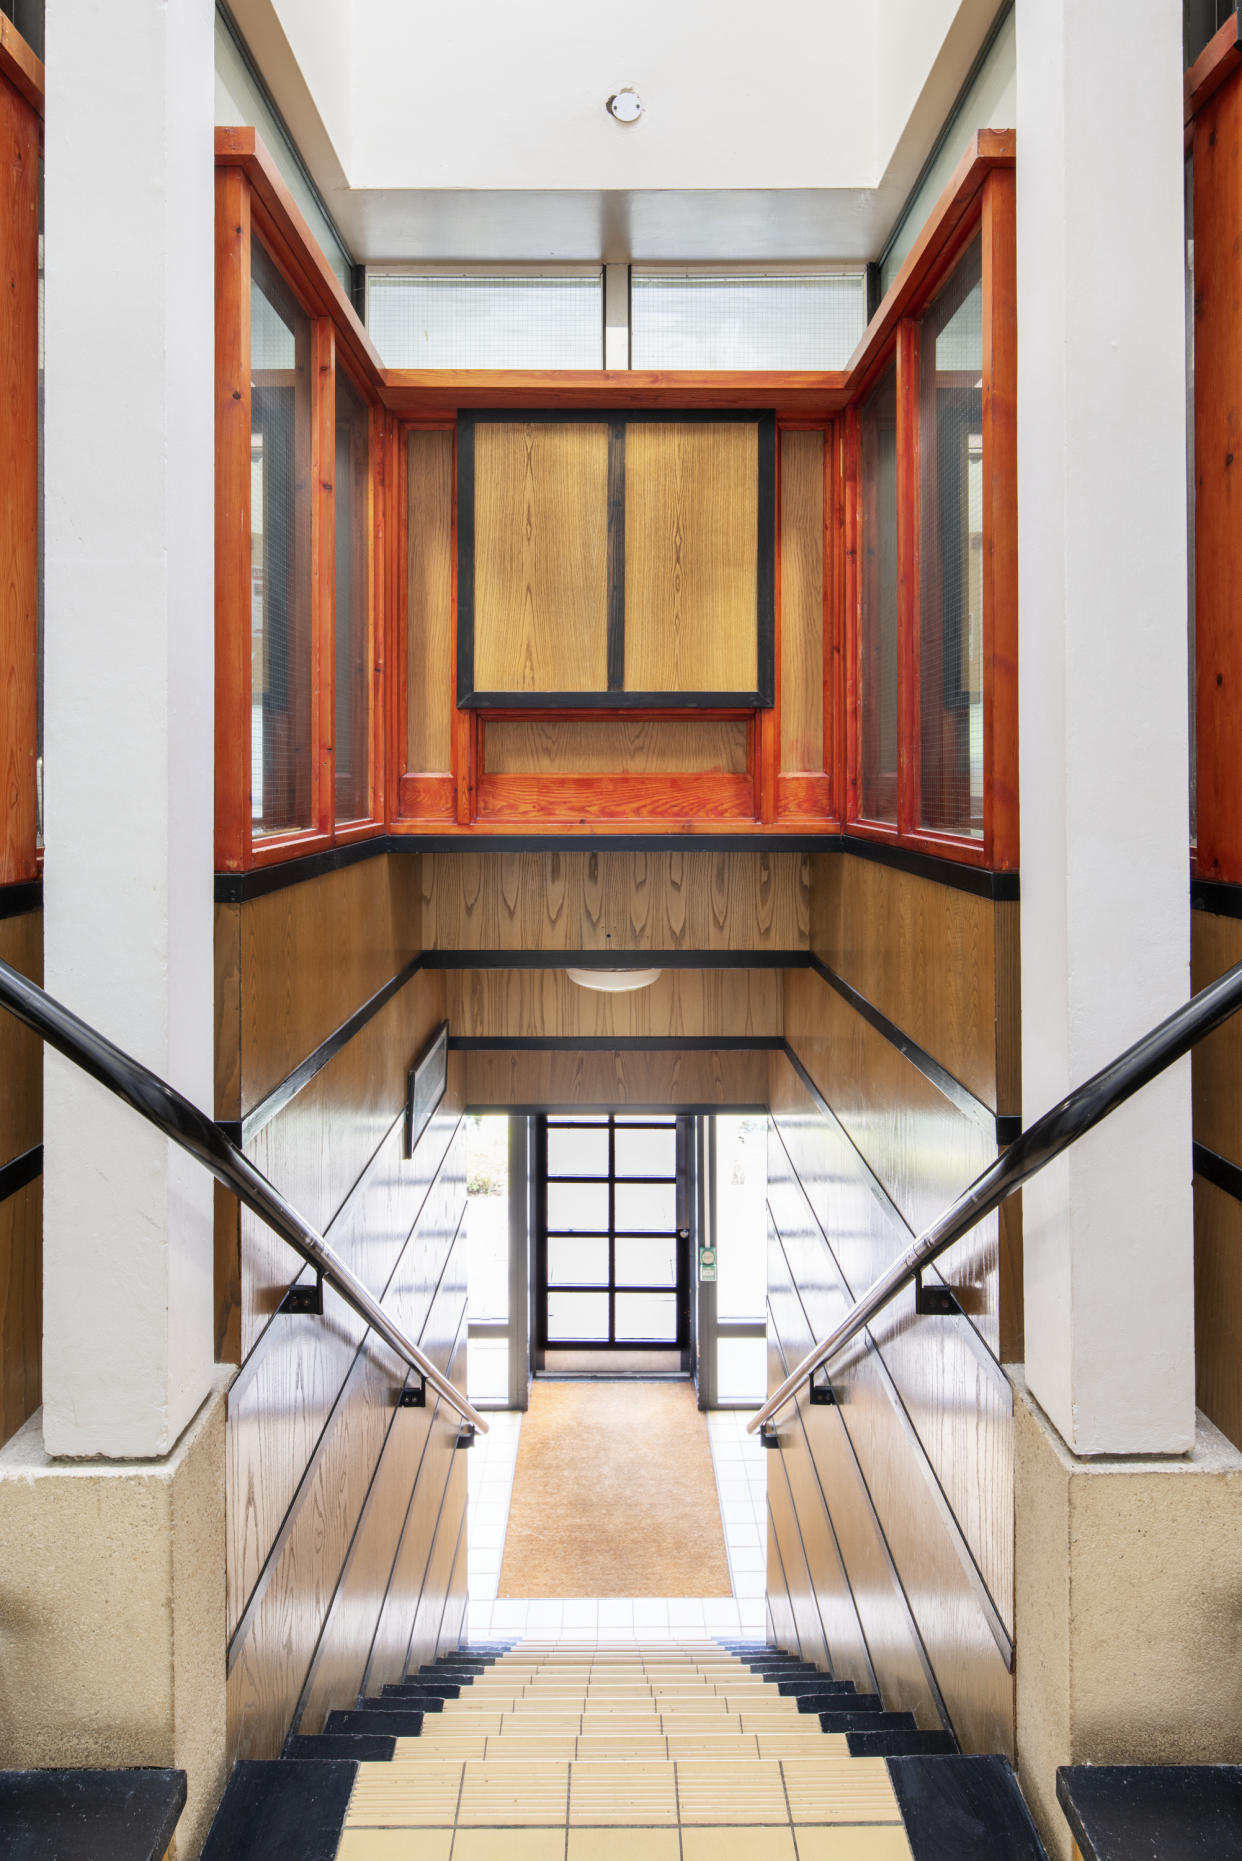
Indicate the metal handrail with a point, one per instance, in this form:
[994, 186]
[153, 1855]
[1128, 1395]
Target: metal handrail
[1046, 1139]
[174, 1114]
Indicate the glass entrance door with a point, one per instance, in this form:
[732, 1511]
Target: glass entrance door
[612, 1243]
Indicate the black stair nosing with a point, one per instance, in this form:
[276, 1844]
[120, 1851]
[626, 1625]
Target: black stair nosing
[1172, 1812]
[76, 1815]
[422, 1689]
[964, 1809]
[275, 1811]
[398, 1724]
[867, 1722]
[833, 1702]
[901, 1744]
[332, 1747]
[807, 1684]
[409, 1702]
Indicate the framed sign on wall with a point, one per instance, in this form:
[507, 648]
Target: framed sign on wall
[425, 1086]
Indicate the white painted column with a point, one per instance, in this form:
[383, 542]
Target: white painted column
[128, 877]
[1105, 911]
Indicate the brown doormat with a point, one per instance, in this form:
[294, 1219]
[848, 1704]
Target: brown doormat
[614, 1495]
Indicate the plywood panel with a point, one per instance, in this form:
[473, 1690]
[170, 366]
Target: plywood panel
[429, 602]
[483, 1003]
[425, 1641]
[21, 1052]
[611, 1079]
[691, 549]
[21, 1306]
[599, 900]
[313, 953]
[1216, 1064]
[540, 557]
[1218, 1307]
[615, 746]
[812, 1643]
[227, 998]
[922, 953]
[802, 602]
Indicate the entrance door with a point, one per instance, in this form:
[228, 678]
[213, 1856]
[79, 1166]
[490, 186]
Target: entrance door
[612, 1242]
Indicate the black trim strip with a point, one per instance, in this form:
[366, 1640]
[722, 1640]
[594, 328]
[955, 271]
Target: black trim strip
[616, 555]
[17, 900]
[235, 888]
[615, 959]
[1218, 1170]
[327, 1050]
[687, 1110]
[616, 1043]
[21, 1170]
[958, 1095]
[1216, 895]
[614, 700]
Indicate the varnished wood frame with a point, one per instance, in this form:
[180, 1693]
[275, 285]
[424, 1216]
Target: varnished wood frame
[989, 215]
[21, 118]
[253, 203]
[615, 701]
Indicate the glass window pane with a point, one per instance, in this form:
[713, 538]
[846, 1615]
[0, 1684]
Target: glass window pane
[951, 553]
[487, 1370]
[352, 737]
[579, 1261]
[718, 320]
[575, 1152]
[647, 1262]
[647, 1153]
[741, 1370]
[646, 1318]
[578, 1316]
[446, 321]
[877, 723]
[487, 1185]
[578, 1208]
[645, 1207]
[741, 1217]
[280, 553]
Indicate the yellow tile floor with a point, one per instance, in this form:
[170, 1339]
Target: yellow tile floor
[670, 1752]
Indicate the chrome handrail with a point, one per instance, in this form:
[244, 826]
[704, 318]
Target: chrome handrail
[181, 1121]
[1046, 1139]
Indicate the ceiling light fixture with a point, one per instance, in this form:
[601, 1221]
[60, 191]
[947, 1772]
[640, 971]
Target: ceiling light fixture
[625, 105]
[614, 981]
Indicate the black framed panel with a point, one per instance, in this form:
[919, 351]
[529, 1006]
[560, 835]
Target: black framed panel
[613, 697]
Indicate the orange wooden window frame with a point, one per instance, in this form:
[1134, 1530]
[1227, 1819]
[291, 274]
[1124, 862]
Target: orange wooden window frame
[21, 126]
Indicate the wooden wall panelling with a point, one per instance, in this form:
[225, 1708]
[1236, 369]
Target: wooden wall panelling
[1218, 521]
[498, 1081]
[410, 1475]
[428, 601]
[540, 586]
[425, 1642]
[572, 802]
[950, 1386]
[232, 520]
[608, 746]
[280, 1403]
[970, 1672]
[453, 1621]
[909, 658]
[1000, 520]
[312, 954]
[625, 901]
[323, 574]
[266, 1678]
[811, 1641]
[1218, 1307]
[784, 1630]
[483, 1003]
[802, 566]
[21, 1052]
[21, 1306]
[20, 135]
[893, 1648]
[691, 556]
[1216, 1063]
[922, 953]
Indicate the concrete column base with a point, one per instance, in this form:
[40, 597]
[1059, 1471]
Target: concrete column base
[1128, 1591]
[112, 1611]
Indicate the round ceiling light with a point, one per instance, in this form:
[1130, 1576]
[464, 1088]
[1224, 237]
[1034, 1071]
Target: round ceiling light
[614, 981]
[625, 105]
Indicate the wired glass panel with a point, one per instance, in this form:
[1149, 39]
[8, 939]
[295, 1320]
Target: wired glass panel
[352, 738]
[444, 321]
[703, 320]
[951, 554]
[280, 553]
[877, 720]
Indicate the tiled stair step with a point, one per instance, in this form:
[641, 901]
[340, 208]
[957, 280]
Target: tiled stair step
[281, 1812]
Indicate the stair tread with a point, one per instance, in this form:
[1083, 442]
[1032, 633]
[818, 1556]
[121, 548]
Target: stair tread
[964, 1809]
[280, 1811]
[76, 1815]
[364, 1747]
[1175, 1812]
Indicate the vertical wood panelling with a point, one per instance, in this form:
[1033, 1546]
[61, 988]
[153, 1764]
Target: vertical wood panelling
[1218, 1307]
[784, 1629]
[429, 602]
[21, 1052]
[1216, 1063]
[802, 602]
[425, 1639]
[21, 1306]
[800, 1583]
[614, 746]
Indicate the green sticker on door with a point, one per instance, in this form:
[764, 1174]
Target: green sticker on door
[707, 1263]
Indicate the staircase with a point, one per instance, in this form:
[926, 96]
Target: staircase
[668, 1751]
